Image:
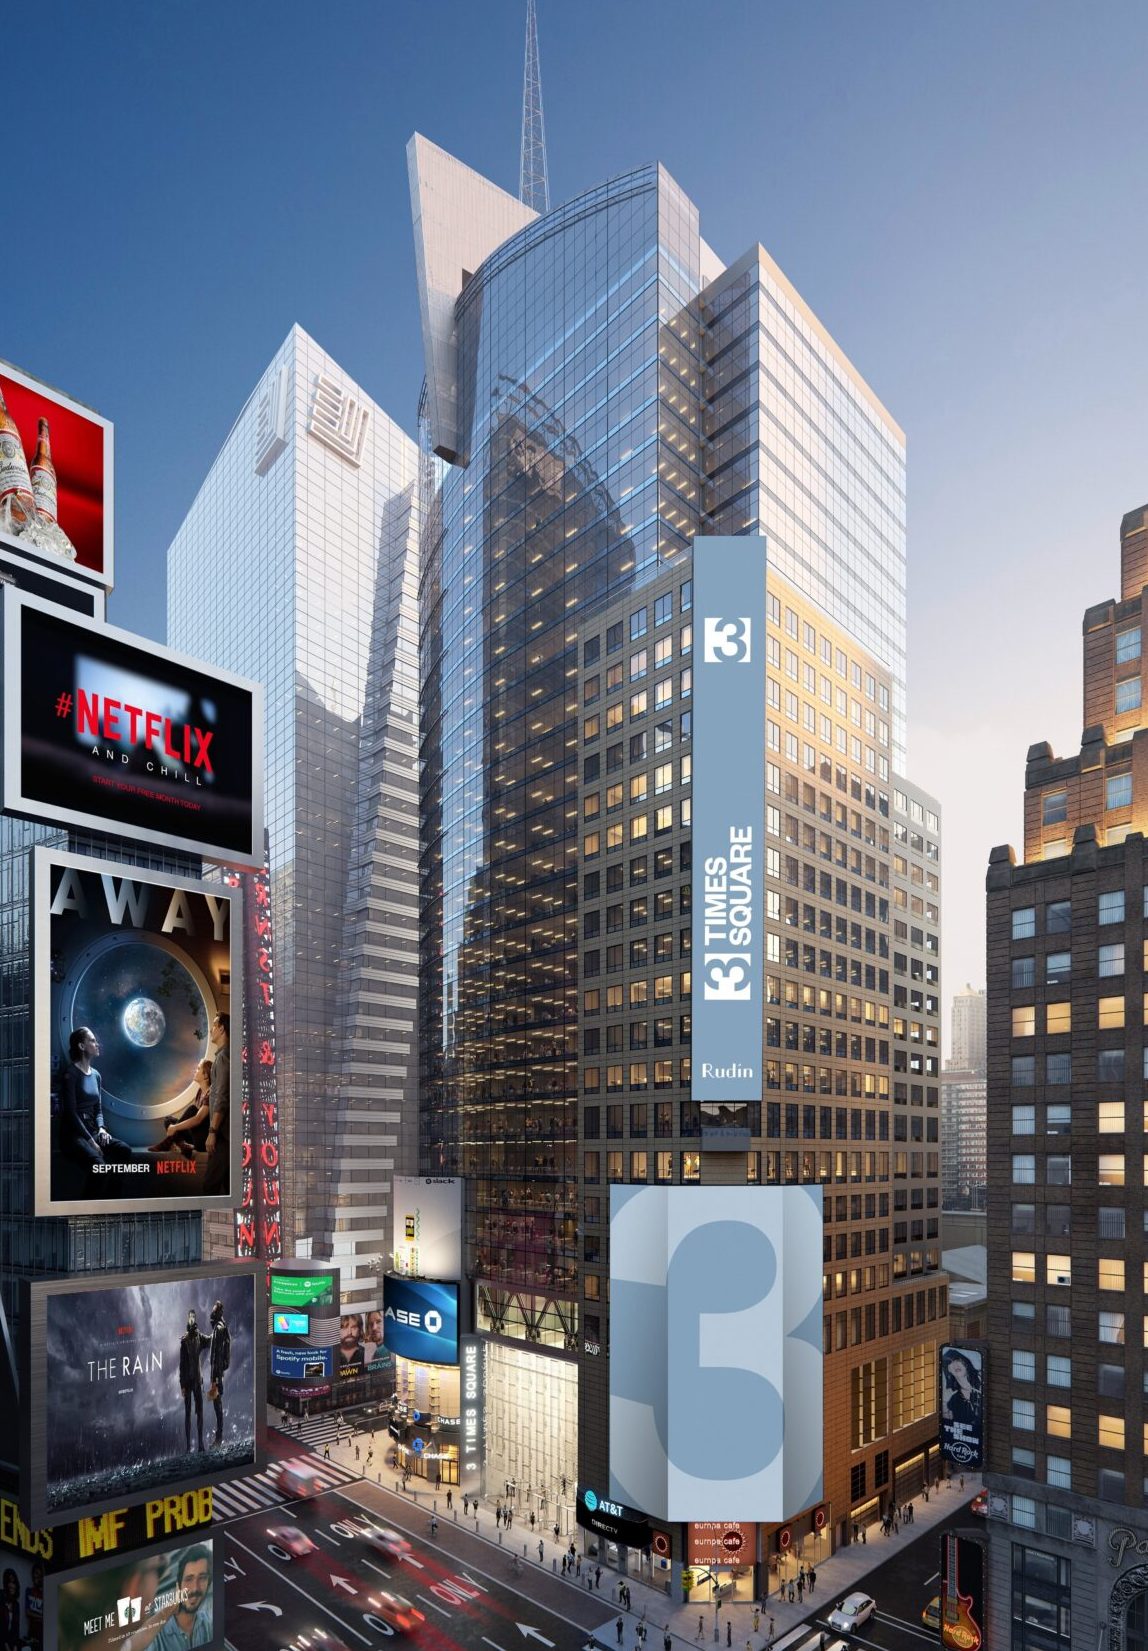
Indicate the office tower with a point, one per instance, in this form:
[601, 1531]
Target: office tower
[969, 1023]
[599, 391]
[295, 565]
[1067, 1265]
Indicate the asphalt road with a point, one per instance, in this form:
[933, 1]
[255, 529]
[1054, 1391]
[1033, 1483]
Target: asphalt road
[468, 1592]
[902, 1586]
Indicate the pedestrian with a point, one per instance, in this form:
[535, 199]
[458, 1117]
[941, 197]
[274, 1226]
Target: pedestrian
[598, 1578]
[926, 1495]
[749, 1645]
[701, 1628]
[564, 1484]
[728, 1631]
[434, 1524]
[541, 1551]
[578, 1566]
[532, 1519]
[756, 1619]
[564, 1563]
[812, 1579]
[800, 1586]
[864, 1538]
[449, 1499]
[556, 1530]
[509, 1517]
[962, 1481]
[771, 1630]
[621, 1627]
[667, 1640]
[791, 1593]
[856, 1531]
[465, 1506]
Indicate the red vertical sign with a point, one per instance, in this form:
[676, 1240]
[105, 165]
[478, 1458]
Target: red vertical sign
[257, 1224]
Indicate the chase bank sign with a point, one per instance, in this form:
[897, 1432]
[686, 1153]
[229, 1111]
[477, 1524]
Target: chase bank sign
[420, 1319]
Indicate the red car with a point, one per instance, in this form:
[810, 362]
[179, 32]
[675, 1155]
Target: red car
[397, 1611]
[290, 1541]
[980, 1504]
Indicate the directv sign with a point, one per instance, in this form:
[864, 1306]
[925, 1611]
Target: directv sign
[613, 1520]
[729, 817]
[420, 1320]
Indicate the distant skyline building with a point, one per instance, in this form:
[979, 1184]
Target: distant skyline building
[964, 1098]
[296, 564]
[1068, 1207]
[969, 1030]
[600, 390]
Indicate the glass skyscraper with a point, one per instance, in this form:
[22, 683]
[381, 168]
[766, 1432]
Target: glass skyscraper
[599, 391]
[296, 565]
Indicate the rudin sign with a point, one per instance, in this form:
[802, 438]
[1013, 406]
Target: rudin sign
[728, 817]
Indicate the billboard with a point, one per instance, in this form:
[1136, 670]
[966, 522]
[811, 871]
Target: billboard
[130, 1603]
[420, 1319]
[302, 1363]
[52, 585]
[120, 1530]
[427, 1226]
[257, 1225]
[715, 1351]
[472, 1418]
[56, 466]
[304, 1290]
[108, 730]
[721, 1542]
[962, 1593]
[962, 1405]
[728, 820]
[127, 1396]
[145, 963]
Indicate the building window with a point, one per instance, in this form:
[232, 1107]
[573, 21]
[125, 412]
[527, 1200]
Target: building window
[1058, 1421]
[1058, 1018]
[1110, 1119]
[1058, 917]
[1058, 1170]
[1023, 1365]
[1110, 1274]
[1024, 1168]
[1109, 1013]
[1024, 923]
[1111, 907]
[1109, 1222]
[1058, 1370]
[1109, 1067]
[1024, 1021]
[1024, 1414]
[1110, 1432]
[1058, 1269]
[1128, 695]
[1111, 1328]
[1059, 1472]
[1024, 1267]
[1128, 645]
[1057, 968]
[1118, 791]
[1057, 1320]
[1024, 1120]
[1041, 1591]
[1023, 1071]
[1054, 807]
[1111, 1169]
[1023, 972]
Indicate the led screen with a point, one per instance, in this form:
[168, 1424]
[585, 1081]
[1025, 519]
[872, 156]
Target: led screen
[420, 1320]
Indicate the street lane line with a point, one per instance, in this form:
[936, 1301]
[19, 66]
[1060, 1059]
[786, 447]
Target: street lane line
[327, 1538]
[440, 1609]
[317, 1603]
[485, 1641]
[378, 1570]
[911, 1627]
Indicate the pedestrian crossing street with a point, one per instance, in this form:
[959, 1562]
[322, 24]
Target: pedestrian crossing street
[261, 1490]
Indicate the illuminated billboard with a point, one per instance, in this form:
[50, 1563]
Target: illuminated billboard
[728, 826]
[715, 1351]
[427, 1226]
[721, 1542]
[138, 1113]
[309, 1290]
[136, 1382]
[962, 1593]
[962, 1405]
[420, 1319]
[159, 1599]
[56, 467]
[108, 730]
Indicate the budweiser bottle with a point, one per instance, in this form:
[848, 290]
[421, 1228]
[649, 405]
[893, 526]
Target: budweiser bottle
[44, 488]
[17, 502]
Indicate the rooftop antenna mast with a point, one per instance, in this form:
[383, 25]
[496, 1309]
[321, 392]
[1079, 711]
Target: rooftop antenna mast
[533, 181]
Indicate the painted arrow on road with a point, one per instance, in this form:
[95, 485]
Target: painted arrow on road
[261, 1605]
[409, 1559]
[341, 1582]
[530, 1633]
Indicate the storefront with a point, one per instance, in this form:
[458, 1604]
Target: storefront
[531, 1431]
[914, 1472]
[614, 1536]
[425, 1421]
[722, 1556]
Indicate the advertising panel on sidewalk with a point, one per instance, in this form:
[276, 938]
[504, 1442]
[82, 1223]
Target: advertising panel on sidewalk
[420, 1319]
[961, 1376]
[56, 467]
[715, 1351]
[134, 974]
[140, 1382]
[166, 1598]
[427, 1226]
[728, 826]
[108, 730]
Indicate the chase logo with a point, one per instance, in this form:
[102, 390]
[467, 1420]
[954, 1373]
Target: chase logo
[726, 979]
[430, 1321]
[727, 641]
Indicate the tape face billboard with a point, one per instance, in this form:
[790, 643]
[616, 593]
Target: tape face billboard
[127, 1397]
[58, 511]
[133, 1602]
[105, 729]
[728, 818]
[715, 1351]
[420, 1320]
[428, 1226]
[144, 962]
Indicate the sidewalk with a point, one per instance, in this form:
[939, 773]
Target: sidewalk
[837, 1576]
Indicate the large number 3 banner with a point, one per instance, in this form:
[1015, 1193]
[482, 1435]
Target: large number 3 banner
[715, 1350]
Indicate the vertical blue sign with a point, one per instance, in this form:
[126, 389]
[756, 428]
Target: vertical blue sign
[728, 817]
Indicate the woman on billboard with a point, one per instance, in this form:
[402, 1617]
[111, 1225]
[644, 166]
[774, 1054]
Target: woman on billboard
[82, 1133]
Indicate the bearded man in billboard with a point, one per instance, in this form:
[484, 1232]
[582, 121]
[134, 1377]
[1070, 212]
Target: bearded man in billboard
[190, 1623]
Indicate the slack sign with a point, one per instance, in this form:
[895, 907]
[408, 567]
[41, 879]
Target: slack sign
[420, 1319]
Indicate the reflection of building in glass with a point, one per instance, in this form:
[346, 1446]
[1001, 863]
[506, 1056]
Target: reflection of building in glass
[1067, 1196]
[295, 565]
[599, 391]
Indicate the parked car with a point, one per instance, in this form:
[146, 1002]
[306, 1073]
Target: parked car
[931, 1615]
[387, 1543]
[296, 1544]
[853, 1613]
[396, 1610]
[980, 1504]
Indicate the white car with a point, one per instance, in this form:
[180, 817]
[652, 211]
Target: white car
[853, 1613]
[387, 1543]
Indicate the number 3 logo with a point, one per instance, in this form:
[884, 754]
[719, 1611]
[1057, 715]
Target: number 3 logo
[727, 641]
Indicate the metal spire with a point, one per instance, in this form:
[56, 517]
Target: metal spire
[533, 181]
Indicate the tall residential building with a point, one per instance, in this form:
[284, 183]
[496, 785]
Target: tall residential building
[296, 565]
[1068, 1208]
[969, 1030]
[599, 391]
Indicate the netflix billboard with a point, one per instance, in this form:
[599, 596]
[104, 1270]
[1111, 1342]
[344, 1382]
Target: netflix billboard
[138, 1113]
[110, 731]
[55, 478]
[135, 1384]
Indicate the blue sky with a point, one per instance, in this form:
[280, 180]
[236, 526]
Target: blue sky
[959, 192]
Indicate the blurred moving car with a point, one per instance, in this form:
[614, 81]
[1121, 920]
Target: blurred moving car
[297, 1477]
[296, 1544]
[853, 1613]
[388, 1543]
[980, 1504]
[397, 1611]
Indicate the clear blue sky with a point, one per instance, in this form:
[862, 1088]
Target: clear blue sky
[959, 192]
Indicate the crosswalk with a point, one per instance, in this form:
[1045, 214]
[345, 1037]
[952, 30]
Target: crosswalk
[313, 1433]
[258, 1491]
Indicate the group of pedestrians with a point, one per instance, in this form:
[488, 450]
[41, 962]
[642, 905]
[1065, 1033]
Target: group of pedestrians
[896, 1517]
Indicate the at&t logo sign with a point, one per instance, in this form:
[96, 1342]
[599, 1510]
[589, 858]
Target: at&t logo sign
[726, 641]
